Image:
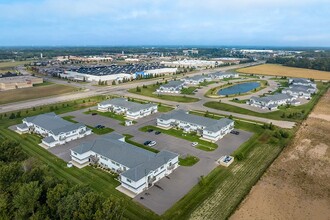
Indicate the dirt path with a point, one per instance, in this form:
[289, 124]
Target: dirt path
[297, 185]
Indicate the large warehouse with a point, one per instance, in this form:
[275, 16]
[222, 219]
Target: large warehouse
[116, 72]
[17, 82]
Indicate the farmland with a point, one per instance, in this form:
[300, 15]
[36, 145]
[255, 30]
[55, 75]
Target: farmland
[24, 94]
[279, 70]
[9, 66]
[296, 186]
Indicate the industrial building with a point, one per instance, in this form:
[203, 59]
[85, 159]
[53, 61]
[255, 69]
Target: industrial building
[17, 82]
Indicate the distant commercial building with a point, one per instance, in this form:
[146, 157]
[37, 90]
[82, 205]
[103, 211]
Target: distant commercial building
[131, 110]
[17, 82]
[54, 129]
[223, 75]
[174, 86]
[190, 63]
[188, 52]
[84, 58]
[272, 102]
[197, 79]
[209, 129]
[138, 169]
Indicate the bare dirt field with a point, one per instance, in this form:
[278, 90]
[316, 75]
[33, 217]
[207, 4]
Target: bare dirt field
[297, 184]
[23, 94]
[279, 70]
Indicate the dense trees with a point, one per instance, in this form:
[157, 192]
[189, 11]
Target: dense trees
[321, 63]
[29, 190]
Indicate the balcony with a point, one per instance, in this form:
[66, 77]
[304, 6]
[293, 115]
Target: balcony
[171, 167]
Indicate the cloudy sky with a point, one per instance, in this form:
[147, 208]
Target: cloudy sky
[165, 22]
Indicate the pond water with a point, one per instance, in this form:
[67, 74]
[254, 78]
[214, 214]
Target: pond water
[239, 88]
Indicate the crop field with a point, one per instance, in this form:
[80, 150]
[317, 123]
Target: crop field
[296, 186]
[24, 94]
[279, 70]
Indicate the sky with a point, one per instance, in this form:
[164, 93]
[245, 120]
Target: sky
[165, 22]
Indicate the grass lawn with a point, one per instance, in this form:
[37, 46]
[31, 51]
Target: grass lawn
[152, 88]
[292, 113]
[212, 198]
[98, 131]
[9, 65]
[188, 161]
[24, 94]
[213, 93]
[189, 137]
[117, 117]
[189, 91]
[279, 70]
[164, 108]
[128, 140]
[206, 83]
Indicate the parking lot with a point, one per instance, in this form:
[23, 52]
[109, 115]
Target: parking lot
[168, 190]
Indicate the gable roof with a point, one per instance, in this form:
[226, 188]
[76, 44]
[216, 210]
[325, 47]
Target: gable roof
[270, 98]
[130, 106]
[173, 83]
[53, 123]
[208, 123]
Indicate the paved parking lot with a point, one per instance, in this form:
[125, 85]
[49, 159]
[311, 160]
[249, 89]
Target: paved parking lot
[168, 190]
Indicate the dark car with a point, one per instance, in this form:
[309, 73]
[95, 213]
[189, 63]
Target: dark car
[99, 126]
[94, 113]
[150, 130]
[234, 132]
[146, 143]
[157, 132]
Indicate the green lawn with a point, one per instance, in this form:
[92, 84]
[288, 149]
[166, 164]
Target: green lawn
[99, 131]
[212, 198]
[206, 83]
[164, 108]
[189, 90]
[213, 93]
[117, 117]
[152, 88]
[188, 161]
[128, 138]
[292, 113]
[189, 137]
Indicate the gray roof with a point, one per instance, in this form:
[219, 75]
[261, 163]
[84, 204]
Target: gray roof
[22, 126]
[174, 83]
[197, 78]
[300, 80]
[208, 123]
[144, 169]
[53, 123]
[275, 97]
[130, 106]
[49, 139]
[138, 160]
[218, 74]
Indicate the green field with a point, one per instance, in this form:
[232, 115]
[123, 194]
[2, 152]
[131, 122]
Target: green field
[117, 117]
[24, 94]
[189, 90]
[152, 88]
[203, 145]
[9, 66]
[258, 153]
[188, 161]
[290, 113]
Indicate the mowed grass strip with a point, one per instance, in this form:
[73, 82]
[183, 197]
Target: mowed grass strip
[279, 70]
[24, 94]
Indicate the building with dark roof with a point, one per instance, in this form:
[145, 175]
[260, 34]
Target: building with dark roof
[138, 169]
[272, 102]
[132, 110]
[173, 86]
[209, 129]
[54, 129]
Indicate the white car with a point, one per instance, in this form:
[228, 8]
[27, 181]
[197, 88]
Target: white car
[194, 144]
[152, 143]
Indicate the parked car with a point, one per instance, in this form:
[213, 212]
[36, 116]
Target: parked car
[194, 144]
[150, 130]
[147, 143]
[157, 132]
[234, 132]
[99, 126]
[152, 143]
[94, 113]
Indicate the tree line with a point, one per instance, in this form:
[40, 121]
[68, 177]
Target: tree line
[319, 63]
[30, 190]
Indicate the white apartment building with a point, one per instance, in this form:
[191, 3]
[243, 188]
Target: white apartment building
[272, 102]
[131, 110]
[209, 129]
[224, 75]
[138, 169]
[195, 80]
[54, 129]
[174, 86]
[191, 63]
[301, 82]
[300, 91]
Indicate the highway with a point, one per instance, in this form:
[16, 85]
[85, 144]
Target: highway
[89, 90]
